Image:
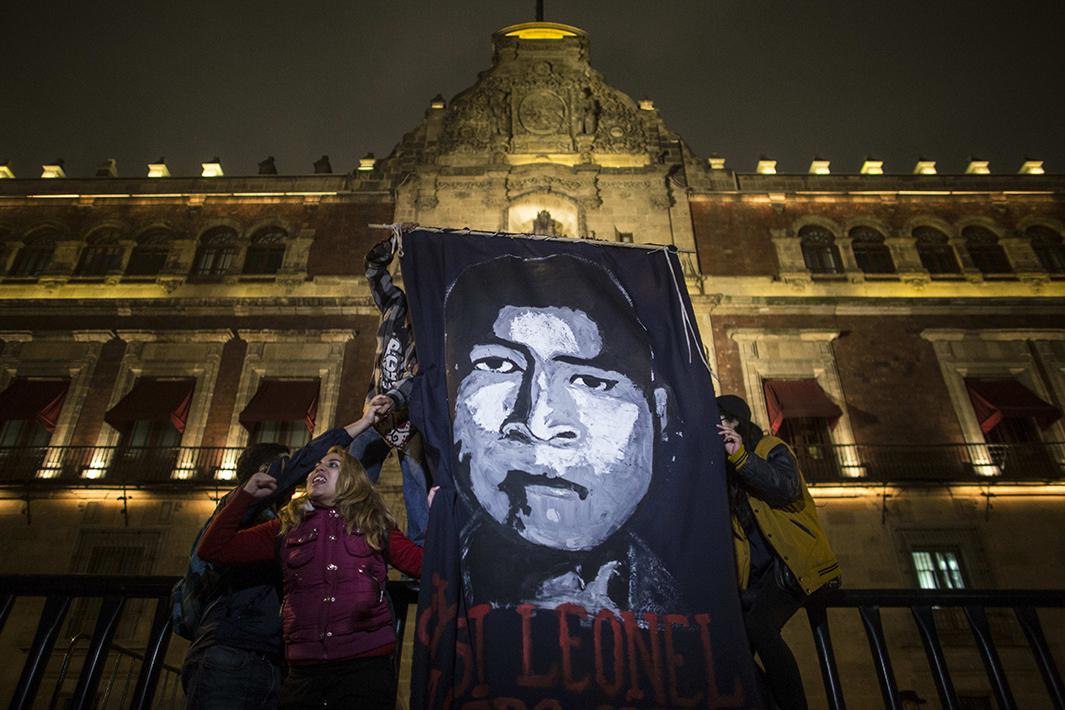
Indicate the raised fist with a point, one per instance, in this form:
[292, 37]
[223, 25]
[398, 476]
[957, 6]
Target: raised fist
[261, 484]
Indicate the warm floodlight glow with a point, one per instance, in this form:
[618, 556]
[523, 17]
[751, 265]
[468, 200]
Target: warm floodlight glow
[53, 170]
[819, 167]
[978, 167]
[212, 169]
[716, 162]
[647, 105]
[367, 163]
[540, 30]
[925, 167]
[158, 170]
[872, 167]
[6, 173]
[437, 103]
[766, 167]
[1032, 167]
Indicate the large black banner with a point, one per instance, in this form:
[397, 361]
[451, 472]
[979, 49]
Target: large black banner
[579, 552]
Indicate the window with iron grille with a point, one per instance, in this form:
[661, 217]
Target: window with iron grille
[935, 251]
[266, 253]
[819, 250]
[214, 259]
[985, 251]
[870, 252]
[99, 257]
[34, 256]
[149, 255]
[1048, 247]
[111, 552]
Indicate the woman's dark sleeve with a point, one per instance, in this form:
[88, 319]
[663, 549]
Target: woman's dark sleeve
[224, 543]
[774, 479]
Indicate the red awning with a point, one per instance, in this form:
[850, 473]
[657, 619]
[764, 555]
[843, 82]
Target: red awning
[41, 400]
[154, 401]
[282, 401]
[994, 400]
[797, 398]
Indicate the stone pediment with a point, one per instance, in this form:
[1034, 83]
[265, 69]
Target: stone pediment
[542, 102]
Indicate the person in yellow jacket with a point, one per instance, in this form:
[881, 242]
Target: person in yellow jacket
[782, 552]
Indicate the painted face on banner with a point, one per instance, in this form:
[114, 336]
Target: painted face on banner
[559, 442]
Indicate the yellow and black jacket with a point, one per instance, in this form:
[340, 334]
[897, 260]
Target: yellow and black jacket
[785, 513]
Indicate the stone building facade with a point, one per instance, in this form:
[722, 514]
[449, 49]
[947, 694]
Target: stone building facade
[906, 332]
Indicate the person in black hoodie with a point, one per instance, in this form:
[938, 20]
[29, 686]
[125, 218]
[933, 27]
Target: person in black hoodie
[237, 653]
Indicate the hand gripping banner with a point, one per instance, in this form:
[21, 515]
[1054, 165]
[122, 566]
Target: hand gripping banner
[579, 551]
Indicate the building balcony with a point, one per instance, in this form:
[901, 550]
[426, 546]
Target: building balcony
[820, 464]
[932, 463]
[112, 465]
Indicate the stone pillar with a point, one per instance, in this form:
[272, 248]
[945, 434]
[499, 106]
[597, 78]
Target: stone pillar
[907, 261]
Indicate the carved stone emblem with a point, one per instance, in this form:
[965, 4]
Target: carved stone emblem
[542, 113]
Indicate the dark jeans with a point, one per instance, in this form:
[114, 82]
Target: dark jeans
[767, 606]
[354, 683]
[228, 678]
[371, 451]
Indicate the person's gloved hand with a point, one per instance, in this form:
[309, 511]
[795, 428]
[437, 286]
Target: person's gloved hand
[381, 253]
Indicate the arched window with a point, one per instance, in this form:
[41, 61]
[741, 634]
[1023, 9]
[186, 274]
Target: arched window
[150, 254]
[34, 256]
[266, 252]
[101, 255]
[937, 255]
[215, 255]
[819, 250]
[1048, 248]
[985, 251]
[870, 252]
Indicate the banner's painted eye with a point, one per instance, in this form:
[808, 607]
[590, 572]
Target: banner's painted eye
[496, 364]
[597, 384]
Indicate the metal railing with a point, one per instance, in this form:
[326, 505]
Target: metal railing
[901, 463]
[113, 464]
[921, 603]
[118, 683]
[59, 591]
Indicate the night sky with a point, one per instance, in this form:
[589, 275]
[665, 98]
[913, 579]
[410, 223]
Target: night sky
[242, 80]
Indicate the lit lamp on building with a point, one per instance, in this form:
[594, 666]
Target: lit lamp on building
[766, 166]
[872, 166]
[53, 170]
[212, 168]
[819, 166]
[1031, 167]
[924, 167]
[437, 103]
[158, 169]
[367, 163]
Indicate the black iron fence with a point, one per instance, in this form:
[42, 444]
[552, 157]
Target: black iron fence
[145, 674]
[820, 463]
[133, 678]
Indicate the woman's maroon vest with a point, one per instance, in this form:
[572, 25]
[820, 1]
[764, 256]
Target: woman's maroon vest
[335, 603]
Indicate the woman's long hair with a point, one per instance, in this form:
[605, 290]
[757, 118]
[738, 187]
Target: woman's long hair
[358, 503]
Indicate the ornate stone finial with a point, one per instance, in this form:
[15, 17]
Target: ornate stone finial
[6, 173]
[53, 169]
[267, 166]
[212, 168]
[108, 168]
[322, 166]
[158, 169]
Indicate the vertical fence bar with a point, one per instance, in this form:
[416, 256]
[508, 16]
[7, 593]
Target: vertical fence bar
[874, 631]
[986, 644]
[817, 614]
[96, 655]
[7, 600]
[154, 653]
[937, 661]
[55, 609]
[1033, 631]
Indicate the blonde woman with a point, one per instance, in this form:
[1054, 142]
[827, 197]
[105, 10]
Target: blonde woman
[334, 542]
